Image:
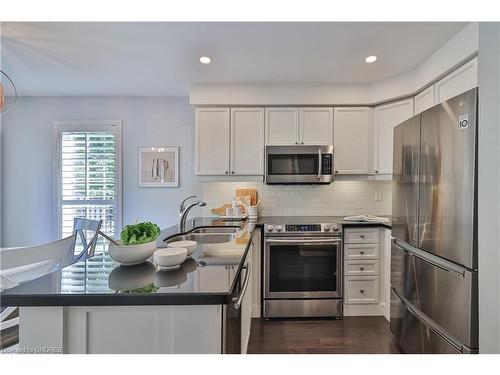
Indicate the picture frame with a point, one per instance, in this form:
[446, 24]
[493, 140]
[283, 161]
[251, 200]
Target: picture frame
[158, 166]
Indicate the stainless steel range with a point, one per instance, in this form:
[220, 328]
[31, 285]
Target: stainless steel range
[302, 270]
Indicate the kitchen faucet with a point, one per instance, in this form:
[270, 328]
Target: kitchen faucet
[183, 211]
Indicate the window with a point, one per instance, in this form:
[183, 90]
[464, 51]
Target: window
[88, 185]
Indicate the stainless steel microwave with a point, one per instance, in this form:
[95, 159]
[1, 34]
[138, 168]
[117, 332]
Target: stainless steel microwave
[299, 164]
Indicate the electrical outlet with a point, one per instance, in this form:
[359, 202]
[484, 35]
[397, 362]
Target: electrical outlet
[378, 196]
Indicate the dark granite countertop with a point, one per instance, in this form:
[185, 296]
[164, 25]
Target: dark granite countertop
[100, 281]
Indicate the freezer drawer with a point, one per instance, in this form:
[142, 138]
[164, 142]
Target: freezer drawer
[417, 335]
[441, 290]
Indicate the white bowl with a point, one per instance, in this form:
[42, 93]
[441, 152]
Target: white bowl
[170, 257]
[131, 254]
[190, 246]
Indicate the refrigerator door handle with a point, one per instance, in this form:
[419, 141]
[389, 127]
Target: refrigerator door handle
[429, 323]
[432, 259]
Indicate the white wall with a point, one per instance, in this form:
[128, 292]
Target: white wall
[26, 159]
[342, 198]
[489, 188]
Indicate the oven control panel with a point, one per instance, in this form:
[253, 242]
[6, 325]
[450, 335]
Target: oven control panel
[303, 228]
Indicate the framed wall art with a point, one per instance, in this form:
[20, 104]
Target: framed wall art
[158, 167]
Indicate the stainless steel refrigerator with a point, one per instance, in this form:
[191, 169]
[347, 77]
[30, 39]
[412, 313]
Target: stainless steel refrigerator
[434, 289]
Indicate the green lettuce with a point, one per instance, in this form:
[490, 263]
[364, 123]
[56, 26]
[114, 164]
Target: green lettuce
[140, 233]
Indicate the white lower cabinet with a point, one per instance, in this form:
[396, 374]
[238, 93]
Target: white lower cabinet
[361, 267]
[361, 289]
[363, 271]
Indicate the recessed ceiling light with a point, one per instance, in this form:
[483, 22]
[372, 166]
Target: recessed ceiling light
[371, 59]
[205, 60]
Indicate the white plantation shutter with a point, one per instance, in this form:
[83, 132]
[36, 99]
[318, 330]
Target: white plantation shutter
[88, 186]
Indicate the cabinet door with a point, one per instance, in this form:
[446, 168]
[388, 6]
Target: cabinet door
[282, 126]
[352, 129]
[459, 81]
[316, 126]
[212, 141]
[387, 117]
[212, 278]
[247, 141]
[424, 100]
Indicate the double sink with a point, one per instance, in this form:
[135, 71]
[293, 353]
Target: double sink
[207, 235]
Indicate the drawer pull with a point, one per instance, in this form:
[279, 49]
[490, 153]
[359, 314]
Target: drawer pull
[361, 291]
[361, 268]
[361, 252]
[362, 235]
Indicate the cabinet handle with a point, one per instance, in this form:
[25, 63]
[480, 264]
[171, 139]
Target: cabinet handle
[302, 142]
[361, 252]
[376, 171]
[237, 300]
[362, 235]
[232, 172]
[361, 268]
[336, 172]
[361, 291]
[296, 143]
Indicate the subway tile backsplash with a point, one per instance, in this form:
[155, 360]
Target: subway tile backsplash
[341, 198]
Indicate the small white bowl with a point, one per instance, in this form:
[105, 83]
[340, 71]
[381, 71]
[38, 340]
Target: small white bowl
[190, 246]
[131, 254]
[170, 257]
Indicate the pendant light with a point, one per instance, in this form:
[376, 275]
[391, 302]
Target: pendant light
[4, 108]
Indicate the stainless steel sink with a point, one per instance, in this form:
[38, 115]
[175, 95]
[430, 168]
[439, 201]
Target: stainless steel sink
[216, 230]
[204, 238]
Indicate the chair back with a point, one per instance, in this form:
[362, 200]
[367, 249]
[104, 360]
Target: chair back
[88, 232]
[20, 264]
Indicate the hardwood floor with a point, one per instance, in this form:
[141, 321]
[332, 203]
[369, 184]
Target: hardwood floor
[351, 335]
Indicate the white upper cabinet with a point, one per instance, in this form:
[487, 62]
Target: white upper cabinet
[282, 126]
[316, 126]
[386, 118]
[353, 134]
[424, 100]
[289, 126]
[457, 82]
[247, 141]
[212, 141]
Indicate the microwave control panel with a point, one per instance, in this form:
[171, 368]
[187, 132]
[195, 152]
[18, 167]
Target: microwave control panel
[326, 164]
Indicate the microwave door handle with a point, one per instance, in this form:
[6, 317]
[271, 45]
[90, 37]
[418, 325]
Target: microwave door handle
[320, 162]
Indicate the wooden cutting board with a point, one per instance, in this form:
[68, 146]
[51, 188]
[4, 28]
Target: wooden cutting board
[252, 192]
[221, 211]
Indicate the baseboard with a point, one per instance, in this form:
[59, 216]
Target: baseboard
[256, 311]
[365, 310]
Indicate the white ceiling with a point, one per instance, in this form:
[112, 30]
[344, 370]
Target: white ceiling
[145, 59]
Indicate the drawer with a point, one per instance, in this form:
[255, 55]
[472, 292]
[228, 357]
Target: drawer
[361, 251]
[361, 289]
[361, 267]
[361, 235]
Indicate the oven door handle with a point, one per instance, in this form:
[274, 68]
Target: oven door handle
[304, 241]
[320, 162]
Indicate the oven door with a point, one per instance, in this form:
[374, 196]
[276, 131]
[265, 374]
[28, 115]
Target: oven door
[299, 164]
[302, 267]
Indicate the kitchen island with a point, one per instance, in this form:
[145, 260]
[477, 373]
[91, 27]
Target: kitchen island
[98, 306]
